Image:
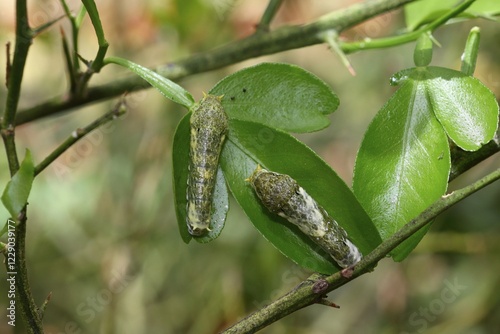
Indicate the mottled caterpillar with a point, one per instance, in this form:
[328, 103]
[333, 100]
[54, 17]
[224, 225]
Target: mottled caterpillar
[208, 125]
[283, 196]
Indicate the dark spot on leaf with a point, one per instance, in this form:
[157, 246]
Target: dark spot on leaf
[244, 90]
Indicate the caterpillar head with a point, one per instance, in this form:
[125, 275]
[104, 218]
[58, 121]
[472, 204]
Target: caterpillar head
[273, 189]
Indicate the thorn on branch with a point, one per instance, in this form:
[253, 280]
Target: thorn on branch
[42, 308]
[326, 302]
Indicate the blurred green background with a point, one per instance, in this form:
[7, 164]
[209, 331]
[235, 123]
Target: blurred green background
[102, 235]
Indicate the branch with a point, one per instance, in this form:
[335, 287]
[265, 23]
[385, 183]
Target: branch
[15, 73]
[16, 269]
[259, 44]
[306, 293]
[29, 311]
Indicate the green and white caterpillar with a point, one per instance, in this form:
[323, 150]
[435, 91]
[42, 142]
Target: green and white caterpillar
[209, 124]
[283, 196]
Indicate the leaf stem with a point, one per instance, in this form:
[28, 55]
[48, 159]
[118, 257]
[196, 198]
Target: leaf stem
[269, 14]
[95, 65]
[304, 294]
[99, 31]
[388, 42]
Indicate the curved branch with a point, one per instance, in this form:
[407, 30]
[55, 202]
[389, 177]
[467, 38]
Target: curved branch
[305, 294]
[29, 312]
[259, 44]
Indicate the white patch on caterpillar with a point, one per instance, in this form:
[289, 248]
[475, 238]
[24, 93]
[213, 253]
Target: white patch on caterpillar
[313, 216]
[353, 257]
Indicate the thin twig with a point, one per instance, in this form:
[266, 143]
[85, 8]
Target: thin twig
[97, 63]
[407, 37]
[69, 63]
[79, 133]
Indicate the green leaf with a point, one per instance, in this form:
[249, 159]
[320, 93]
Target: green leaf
[279, 95]
[15, 195]
[220, 204]
[5, 228]
[466, 108]
[424, 11]
[252, 143]
[168, 88]
[403, 163]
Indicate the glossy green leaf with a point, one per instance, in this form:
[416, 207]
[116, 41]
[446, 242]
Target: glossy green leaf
[168, 88]
[252, 143]
[279, 95]
[424, 11]
[403, 163]
[466, 108]
[220, 205]
[15, 195]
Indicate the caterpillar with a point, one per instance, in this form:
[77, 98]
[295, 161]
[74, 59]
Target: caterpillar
[208, 128]
[282, 195]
